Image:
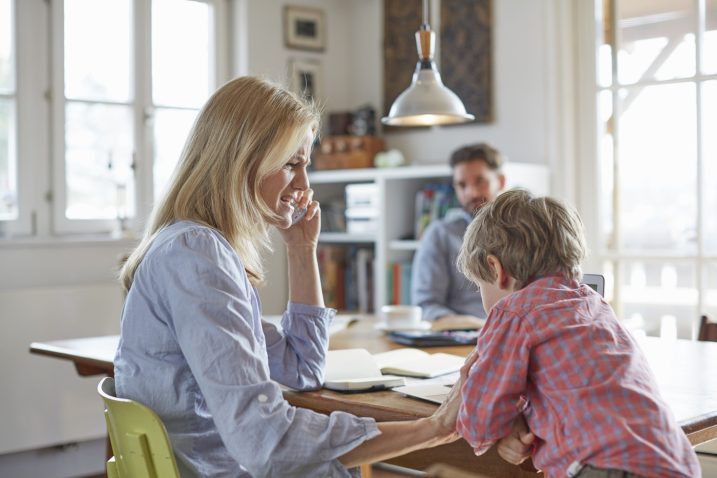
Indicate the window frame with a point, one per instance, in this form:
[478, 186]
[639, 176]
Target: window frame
[142, 113]
[590, 21]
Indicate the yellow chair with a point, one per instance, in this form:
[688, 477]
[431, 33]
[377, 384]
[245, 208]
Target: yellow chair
[139, 440]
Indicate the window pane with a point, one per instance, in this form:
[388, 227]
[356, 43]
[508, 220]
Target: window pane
[657, 156]
[656, 40]
[180, 52]
[661, 294]
[709, 48]
[8, 173]
[98, 161]
[604, 51]
[171, 128]
[709, 152]
[710, 300]
[98, 49]
[7, 46]
[606, 163]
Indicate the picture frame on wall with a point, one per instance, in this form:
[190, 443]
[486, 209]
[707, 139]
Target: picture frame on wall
[304, 28]
[306, 78]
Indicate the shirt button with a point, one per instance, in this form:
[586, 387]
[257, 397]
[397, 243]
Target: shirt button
[262, 398]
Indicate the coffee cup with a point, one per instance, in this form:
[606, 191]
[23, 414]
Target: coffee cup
[401, 315]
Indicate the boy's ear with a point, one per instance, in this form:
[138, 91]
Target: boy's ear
[503, 280]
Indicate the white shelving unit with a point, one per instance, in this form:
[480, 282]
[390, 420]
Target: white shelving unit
[397, 189]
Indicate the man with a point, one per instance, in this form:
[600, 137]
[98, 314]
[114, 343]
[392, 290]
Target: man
[449, 299]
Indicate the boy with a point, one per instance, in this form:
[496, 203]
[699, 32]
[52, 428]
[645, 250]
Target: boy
[556, 346]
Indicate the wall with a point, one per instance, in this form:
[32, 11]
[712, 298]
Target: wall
[52, 291]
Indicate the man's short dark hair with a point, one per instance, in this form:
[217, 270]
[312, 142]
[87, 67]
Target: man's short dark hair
[472, 152]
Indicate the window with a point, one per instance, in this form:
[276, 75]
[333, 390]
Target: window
[128, 103]
[656, 94]
[8, 158]
[126, 81]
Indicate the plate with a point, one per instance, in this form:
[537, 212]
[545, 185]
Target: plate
[422, 325]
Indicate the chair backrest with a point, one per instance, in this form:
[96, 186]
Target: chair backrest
[708, 330]
[138, 437]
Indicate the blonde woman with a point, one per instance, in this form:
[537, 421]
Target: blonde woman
[193, 346]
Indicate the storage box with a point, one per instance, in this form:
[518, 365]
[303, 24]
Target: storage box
[361, 220]
[362, 195]
[348, 152]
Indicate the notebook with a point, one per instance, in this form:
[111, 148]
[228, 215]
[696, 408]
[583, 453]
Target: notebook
[417, 363]
[433, 392]
[358, 370]
[354, 370]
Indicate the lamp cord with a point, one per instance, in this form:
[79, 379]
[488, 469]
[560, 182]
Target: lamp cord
[425, 15]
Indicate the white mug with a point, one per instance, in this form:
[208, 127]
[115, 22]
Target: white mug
[401, 315]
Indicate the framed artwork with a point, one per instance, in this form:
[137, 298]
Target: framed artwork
[306, 78]
[304, 28]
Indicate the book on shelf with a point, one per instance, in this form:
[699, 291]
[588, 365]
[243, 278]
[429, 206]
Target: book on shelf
[432, 202]
[347, 277]
[398, 282]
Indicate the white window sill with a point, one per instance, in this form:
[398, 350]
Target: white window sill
[28, 242]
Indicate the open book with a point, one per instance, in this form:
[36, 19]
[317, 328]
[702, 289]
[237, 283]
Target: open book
[357, 369]
[417, 363]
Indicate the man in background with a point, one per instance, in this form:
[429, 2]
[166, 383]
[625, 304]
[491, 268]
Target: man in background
[449, 299]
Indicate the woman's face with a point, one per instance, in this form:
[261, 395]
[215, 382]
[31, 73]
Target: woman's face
[283, 189]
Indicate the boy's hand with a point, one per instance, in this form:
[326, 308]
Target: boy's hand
[517, 446]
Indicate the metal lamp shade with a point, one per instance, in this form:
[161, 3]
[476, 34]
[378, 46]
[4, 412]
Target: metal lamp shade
[427, 101]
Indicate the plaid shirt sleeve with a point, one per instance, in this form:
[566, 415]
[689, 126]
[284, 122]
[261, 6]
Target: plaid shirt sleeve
[495, 382]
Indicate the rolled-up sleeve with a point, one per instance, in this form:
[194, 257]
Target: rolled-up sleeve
[297, 355]
[219, 333]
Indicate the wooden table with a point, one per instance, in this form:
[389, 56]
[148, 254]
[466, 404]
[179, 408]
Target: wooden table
[684, 370]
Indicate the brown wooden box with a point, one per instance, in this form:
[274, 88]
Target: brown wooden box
[348, 152]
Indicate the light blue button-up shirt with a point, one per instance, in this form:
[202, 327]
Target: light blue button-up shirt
[436, 283]
[193, 348]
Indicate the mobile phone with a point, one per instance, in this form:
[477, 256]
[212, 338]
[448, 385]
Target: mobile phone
[298, 214]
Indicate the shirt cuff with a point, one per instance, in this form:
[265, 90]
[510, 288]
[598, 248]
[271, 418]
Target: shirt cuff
[323, 313]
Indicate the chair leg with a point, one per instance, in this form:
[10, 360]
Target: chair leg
[112, 470]
[365, 471]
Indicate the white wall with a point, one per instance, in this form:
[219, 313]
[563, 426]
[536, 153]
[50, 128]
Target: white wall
[52, 292]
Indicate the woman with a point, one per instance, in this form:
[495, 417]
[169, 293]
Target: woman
[193, 346]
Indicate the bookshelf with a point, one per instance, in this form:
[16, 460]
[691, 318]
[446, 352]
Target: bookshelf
[396, 190]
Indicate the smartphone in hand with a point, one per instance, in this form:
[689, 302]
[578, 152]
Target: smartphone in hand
[298, 214]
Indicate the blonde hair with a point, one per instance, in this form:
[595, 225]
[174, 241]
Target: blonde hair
[246, 131]
[530, 236]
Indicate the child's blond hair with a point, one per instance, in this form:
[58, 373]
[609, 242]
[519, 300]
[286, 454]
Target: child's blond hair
[530, 236]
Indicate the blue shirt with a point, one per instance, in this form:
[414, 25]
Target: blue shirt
[436, 283]
[194, 349]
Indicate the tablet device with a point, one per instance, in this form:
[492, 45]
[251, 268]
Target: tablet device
[434, 338]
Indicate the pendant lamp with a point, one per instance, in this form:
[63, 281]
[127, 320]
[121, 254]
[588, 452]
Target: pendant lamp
[427, 101]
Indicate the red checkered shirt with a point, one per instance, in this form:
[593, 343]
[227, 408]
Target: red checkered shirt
[591, 395]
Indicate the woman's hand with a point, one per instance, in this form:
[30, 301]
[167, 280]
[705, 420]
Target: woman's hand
[306, 231]
[517, 446]
[445, 416]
